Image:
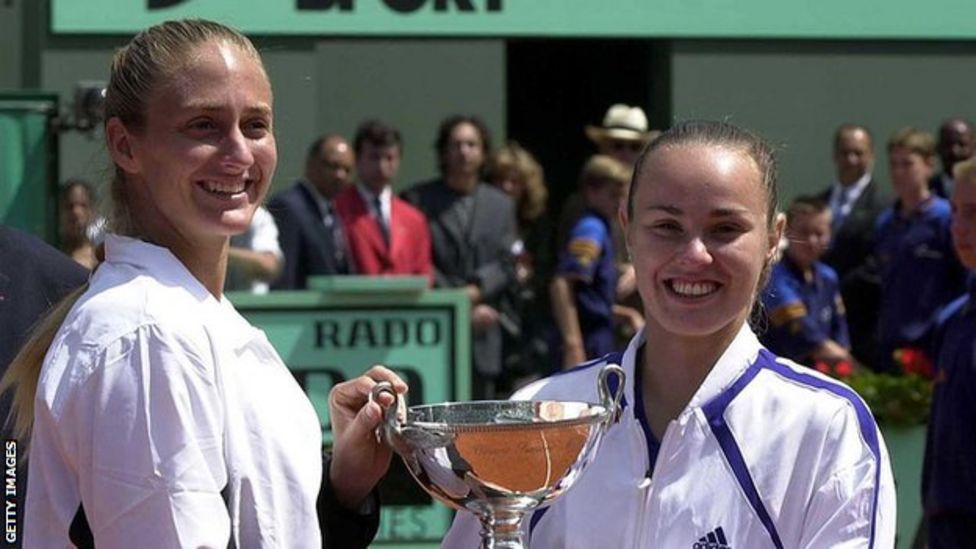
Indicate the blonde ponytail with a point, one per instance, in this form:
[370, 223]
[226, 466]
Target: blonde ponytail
[149, 58]
[23, 373]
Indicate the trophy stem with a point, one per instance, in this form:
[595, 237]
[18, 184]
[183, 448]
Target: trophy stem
[502, 531]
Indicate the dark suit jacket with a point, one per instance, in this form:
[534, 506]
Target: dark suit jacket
[308, 245]
[474, 251]
[345, 528]
[854, 241]
[33, 277]
[408, 252]
[850, 255]
[940, 187]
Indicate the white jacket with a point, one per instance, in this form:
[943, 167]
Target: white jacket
[767, 454]
[169, 420]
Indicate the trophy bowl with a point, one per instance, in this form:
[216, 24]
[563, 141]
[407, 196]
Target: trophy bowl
[500, 459]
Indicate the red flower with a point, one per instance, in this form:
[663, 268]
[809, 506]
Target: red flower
[843, 369]
[914, 361]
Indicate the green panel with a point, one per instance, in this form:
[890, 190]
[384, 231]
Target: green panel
[412, 85]
[27, 193]
[907, 448]
[326, 336]
[795, 94]
[11, 49]
[610, 18]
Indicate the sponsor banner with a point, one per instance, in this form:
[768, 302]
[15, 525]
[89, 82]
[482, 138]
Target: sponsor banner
[328, 337]
[944, 19]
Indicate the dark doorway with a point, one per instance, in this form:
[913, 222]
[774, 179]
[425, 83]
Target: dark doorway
[556, 87]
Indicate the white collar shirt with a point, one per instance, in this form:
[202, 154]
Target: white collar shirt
[767, 454]
[331, 220]
[843, 197]
[168, 419]
[385, 197]
[329, 217]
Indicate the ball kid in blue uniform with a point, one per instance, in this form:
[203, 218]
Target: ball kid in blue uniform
[806, 320]
[919, 270]
[949, 473]
[583, 288]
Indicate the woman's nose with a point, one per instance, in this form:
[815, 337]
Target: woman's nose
[695, 252]
[237, 150]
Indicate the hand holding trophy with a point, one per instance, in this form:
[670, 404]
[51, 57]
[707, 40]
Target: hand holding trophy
[501, 459]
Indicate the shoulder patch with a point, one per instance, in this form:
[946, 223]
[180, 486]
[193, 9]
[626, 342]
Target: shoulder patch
[787, 313]
[584, 250]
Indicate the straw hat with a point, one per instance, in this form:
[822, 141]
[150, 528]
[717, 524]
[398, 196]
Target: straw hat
[622, 122]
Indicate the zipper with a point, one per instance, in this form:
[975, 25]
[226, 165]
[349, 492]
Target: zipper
[643, 486]
[646, 484]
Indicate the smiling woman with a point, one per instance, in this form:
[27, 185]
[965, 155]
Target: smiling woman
[198, 157]
[158, 416]
[721, 443]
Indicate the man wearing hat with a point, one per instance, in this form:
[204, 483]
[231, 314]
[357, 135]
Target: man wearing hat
[622, 136]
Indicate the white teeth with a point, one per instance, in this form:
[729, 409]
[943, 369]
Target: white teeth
[693, 289]
[224, 188]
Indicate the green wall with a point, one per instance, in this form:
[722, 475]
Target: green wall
[796, 93]
[10, 45]
[413, 84]
[327, 86]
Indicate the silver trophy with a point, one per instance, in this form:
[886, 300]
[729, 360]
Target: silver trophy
[500, 459]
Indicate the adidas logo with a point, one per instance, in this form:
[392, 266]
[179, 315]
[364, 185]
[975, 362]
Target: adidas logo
[712, 540]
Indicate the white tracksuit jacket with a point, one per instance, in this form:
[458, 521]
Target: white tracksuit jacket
[767, 454]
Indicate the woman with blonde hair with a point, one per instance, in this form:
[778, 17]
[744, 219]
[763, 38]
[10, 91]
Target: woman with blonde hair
[514, 170]
[158, 416]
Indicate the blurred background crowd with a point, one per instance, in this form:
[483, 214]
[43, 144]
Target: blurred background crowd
[865, 268]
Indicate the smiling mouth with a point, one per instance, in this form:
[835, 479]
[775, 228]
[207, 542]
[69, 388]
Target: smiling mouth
[691, 289]
[226, 189]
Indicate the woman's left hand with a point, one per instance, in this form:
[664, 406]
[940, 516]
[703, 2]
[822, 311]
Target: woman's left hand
[359, 459]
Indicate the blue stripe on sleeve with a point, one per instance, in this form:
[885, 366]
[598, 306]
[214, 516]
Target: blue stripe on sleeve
[864, 419]
[715, 414]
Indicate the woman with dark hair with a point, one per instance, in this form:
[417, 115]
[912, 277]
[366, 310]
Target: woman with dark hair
[720, 442]
[76, 219]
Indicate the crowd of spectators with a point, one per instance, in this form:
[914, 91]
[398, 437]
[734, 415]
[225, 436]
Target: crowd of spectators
[861, 278]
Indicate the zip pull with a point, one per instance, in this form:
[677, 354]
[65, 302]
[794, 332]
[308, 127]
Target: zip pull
[644, 486]
[645, 482]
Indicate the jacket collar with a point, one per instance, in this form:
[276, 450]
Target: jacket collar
[738, 356]
[159, 263]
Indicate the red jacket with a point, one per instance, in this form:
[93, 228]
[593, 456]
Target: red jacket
[409, 249]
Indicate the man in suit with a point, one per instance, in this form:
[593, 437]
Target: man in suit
[33, 278]
[956, 143]
[472, 226]
[386, 235]
[855, 203]
[309, 231]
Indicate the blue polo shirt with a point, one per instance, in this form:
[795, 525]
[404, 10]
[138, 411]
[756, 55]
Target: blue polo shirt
[588, 259]
[802, 313]
[919, 274]
[949, 472]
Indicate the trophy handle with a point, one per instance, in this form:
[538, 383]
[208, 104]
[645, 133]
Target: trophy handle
[608, 398]
[390, 422]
